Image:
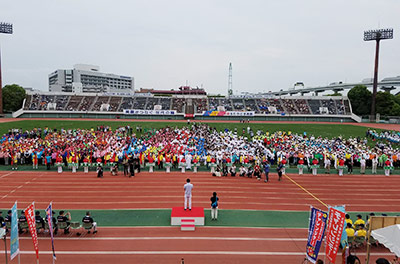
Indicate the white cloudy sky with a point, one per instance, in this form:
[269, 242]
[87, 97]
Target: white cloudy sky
[163, 43]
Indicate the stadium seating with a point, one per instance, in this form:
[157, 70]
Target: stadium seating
[259, 105]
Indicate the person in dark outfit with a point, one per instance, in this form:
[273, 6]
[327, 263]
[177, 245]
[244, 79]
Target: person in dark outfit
[64, 218]
[131, 167]
[136, 163]
[214, 206]
[279, 169]
[2, 223]
[54, 222]
[39, 221]
[89, 220]
[22, 220]
[8, 219]
[99, 172]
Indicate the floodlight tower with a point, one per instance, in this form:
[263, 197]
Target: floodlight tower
[5, 28]
[377, 35]
[230, 91]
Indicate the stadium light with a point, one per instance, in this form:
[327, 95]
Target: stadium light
[377, 35]
[5, 28]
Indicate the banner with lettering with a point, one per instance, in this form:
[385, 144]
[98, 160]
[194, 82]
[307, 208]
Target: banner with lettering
[148, 112]
[343, 239]
[334, 233]
[228, 113]
[316, 232]
[14, 244]
[49, 217]
[30, 217]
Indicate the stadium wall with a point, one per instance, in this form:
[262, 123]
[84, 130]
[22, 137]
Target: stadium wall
[118, 115]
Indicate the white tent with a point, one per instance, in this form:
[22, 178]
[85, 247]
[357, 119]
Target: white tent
[390, 237]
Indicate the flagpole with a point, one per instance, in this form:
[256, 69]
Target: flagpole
[5, 247]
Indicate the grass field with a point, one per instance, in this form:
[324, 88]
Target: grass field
[323, 130]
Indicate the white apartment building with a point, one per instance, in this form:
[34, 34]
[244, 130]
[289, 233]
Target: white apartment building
[84, 78]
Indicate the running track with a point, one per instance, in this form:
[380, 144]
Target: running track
[161, 190]
[206, 244]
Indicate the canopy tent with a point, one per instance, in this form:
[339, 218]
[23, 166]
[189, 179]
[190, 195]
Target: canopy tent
[390, 237]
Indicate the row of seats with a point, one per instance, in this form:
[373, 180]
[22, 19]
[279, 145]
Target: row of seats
[118, 104]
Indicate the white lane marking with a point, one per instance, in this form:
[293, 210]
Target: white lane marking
[173, 238]
[208, 252]
[5, 175]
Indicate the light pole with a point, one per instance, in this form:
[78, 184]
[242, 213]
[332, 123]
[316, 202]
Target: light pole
[376, 35]
[5, 28]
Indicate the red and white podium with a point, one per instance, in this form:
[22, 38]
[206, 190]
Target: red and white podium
[178, 214]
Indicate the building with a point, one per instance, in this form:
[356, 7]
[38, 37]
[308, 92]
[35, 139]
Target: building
[85, 78]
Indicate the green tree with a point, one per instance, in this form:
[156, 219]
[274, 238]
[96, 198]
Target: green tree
[397, 98]
[386, 104]
[13, 97]
[396, 110]
[360, 98]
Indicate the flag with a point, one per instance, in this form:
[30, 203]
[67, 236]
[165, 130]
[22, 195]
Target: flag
[334, 233]
[316, 232]
[30, 217]
[14, 244]
[49, 216]
[343, 239]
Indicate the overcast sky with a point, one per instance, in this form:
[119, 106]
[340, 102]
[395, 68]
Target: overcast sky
[164, 43]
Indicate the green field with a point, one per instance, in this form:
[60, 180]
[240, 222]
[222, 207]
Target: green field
[323, 130]
[239, 218]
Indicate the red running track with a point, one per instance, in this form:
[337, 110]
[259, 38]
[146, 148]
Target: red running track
[206, 244]
[161, 190]
[170, 245]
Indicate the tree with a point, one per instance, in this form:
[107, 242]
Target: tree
[360, 98]
[386, 104]
[13, 97]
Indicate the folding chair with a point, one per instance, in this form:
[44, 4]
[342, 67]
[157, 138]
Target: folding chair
[359, 241]
[23, 226]
[63, 226]
[87, 226]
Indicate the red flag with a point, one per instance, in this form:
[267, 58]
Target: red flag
[334, 233]
[30, 217]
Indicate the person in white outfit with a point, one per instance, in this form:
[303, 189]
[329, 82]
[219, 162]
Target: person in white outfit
[374, 164]
[188, 194]
[362, 165]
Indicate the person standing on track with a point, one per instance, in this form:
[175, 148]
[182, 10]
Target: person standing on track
[214, 206]
[279, 169]
[266, 170]
[188, 194]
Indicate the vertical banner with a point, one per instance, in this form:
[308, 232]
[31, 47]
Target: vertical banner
[343, 239]
[14, 242]
[49, 216]
[316, 232]
[334, 233]
[30, 217]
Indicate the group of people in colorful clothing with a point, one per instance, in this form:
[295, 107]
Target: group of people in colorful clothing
[189, 147]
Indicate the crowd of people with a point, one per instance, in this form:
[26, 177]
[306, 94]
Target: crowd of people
[387, 135]
[243, 152]
[62, 221]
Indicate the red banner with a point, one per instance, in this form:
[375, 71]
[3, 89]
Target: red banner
[30, 217]
[334, 233]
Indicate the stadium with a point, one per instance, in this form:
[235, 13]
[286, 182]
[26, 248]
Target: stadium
[95, 170]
